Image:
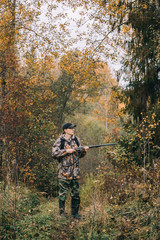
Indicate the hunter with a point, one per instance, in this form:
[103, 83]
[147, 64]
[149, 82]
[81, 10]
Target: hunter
[64, 150]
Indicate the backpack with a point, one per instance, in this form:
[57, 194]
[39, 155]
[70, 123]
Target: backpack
[63, 141]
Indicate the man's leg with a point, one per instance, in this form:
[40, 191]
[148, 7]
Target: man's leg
[75, 198]
[63, 189]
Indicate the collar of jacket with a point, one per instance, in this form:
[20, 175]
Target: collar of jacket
[67, 139]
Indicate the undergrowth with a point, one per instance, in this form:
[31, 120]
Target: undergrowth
[27, 214]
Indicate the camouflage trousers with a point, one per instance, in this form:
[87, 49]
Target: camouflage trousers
[66, 185]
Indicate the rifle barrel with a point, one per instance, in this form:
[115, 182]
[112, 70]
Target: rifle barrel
[102, 145]
[96, 146]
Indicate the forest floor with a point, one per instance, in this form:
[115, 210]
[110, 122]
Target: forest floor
[27, 214]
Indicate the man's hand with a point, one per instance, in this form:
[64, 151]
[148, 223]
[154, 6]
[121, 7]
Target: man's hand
[82, 149]
[86, 148]
[70, 150]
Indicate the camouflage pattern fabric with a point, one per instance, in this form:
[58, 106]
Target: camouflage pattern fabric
[68, 163]
[65, 186]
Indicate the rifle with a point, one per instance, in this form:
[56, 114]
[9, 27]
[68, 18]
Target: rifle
[79, 149]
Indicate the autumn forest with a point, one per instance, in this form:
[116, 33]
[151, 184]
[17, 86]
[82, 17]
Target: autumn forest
[96, 64]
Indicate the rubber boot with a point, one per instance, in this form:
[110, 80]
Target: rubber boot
[75, 208]
[61, 207]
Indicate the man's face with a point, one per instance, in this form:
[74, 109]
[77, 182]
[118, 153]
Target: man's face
[69, 131]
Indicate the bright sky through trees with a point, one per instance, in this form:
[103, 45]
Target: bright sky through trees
[79, 30]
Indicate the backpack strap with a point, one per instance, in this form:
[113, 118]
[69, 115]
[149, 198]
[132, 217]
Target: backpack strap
[63, 142]
[76, 140]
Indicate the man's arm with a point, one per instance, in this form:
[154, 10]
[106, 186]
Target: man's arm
[57, 152]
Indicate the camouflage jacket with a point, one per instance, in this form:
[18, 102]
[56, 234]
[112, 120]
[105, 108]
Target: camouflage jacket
[68, 163]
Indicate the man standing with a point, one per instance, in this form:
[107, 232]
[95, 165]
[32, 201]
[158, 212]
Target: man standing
[64, 149]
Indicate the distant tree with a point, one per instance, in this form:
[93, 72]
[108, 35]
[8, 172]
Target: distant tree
[131, 29]
[142, 60]
[77, 83]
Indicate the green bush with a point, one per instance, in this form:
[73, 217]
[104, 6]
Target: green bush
[28, 202]
[46, 178]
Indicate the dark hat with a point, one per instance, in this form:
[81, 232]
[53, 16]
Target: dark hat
[68, 125]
